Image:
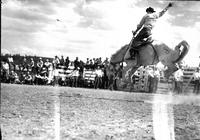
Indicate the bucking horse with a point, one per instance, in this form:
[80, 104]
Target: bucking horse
[150, 54]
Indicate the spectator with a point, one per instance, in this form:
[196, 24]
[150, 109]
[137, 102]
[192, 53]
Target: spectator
[98, 78]
[56, 62]
[76, 64]
[96, 63]
[14, 78]
[91, 64]
[87, 64]
[196, 81]
[67, 62]
[44, 79]
[11, 63]
[178, 80]
[10, 59]
[94, 60]
[71, 66]
[25, 65]
[74, 77]
[156, 78]
[50, 74]
[80, 77]
[99, 62]
[38, 79]
[40, 64]
[134, 79]
[43, 71]
[47, 65]
[153, 79]
[22, 77]
[5, 71]
[28, 79]
[81, 67]
[62, 61]
[104, 79]
[106, 62]
[32, 65]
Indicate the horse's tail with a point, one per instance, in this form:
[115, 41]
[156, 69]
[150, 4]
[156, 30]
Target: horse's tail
[184, 51]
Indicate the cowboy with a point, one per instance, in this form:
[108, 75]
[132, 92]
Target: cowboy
[144, 27]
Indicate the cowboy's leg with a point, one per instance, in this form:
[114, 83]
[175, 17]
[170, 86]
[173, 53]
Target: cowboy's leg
[144, 33]
[130, 53]
[135, 43]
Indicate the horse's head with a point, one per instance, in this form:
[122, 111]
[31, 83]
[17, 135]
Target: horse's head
[183, 52]
[174, 58]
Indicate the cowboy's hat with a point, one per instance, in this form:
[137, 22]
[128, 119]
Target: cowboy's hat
[150, 9]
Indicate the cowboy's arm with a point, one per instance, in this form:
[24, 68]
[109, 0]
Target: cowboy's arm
[164, 10]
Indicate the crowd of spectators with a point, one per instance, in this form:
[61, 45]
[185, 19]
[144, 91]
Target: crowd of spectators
[42, 71]
[39, 71]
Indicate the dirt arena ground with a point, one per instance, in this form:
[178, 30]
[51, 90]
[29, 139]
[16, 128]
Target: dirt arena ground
[53, 113]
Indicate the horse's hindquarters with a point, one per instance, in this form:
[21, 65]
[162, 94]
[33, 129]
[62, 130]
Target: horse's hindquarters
[147, 56]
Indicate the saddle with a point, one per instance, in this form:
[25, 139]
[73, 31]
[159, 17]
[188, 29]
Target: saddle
[135, 46]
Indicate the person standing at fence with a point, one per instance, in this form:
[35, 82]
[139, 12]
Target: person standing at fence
[76, 63]
[10, 59]
[11, 63]
[39, 65]
[106, 62]
[74, 76]
[196, 81]
[28, 78]
[87, 63]
[25, 65]
[47, 66]
[13, 77]
[50, 74]
[56, 62]
[5, 67]
[178, 80]
[62, 61]
[98, 78]
[67, 62]
[91, 64]
[32, 65]
[151, 79]
[154, 76]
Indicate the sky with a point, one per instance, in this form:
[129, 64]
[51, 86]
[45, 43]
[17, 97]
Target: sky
[92, 28]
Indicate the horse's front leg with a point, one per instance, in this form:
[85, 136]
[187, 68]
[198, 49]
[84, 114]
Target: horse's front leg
[127, 72]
